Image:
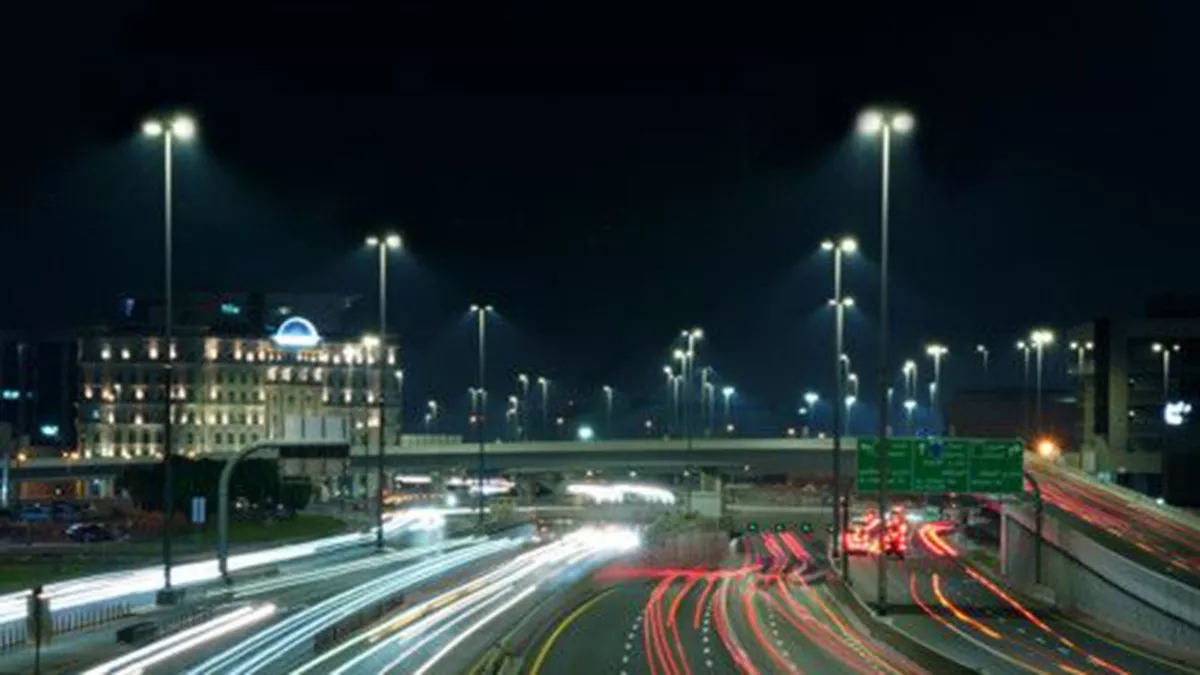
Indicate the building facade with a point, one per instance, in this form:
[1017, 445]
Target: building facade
[1137, 380]
[233, 382]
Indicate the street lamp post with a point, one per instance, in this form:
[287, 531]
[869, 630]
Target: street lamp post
[689, 360]
[523, 412]
[1040, 338]
[910, 405]
[705, 373]
[841, 248]
[673, 412]
[851, 399]
[936, 351]
[810, 401]
[884, 123]
[983, 354]
[1025, 348]
[383, 243]
[909, 370]
[544, 385]
[727, 393]
[431, 418]
[1160, 348]
[1081, 349]
[514, 414]
[481, 312]
[182, 128]
[608, 407]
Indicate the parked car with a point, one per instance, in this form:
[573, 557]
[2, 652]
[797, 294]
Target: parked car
[89, 532]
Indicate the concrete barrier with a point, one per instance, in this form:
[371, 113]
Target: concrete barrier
[1089, 579]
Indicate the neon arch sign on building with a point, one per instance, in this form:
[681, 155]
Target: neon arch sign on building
[296, 333]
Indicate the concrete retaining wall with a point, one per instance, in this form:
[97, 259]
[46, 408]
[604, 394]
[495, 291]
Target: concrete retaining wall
[1107, 587]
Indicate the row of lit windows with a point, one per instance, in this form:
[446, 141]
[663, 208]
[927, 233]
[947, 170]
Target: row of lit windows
[251, 351]
[195, 418]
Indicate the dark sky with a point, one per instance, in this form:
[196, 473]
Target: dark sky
[607, 175]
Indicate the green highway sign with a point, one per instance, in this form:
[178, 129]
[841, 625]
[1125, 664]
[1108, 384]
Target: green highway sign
[944, 465]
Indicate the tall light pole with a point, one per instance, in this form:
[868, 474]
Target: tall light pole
[810, 400]
[523, 412]
[909, 406]
[1081, 349]
[481, 312]
[705, 373]
[1025, 348]
[544, 385]
[1041, 338]
[671, 402]
[608, 406]
[851, 399]
[840, 248]
[727, 393]
[514, 413]
[689, 360]
[884, 123]
[909, 371]
[1160, 348]
[936, 352]
[852, 383]
[432, 416]
[182, 128]
[384, 243]
[983, 354]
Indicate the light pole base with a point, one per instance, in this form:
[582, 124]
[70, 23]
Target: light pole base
[169, 596]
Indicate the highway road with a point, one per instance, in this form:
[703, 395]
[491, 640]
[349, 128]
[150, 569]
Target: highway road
[137, 587]
[295, 612]
[1129, 524]
[943, 601]
[765, 611]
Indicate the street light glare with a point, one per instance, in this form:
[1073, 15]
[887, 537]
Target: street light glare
[910, 404]
[811, 398]
[827, 245]
[393, 241]
[870, 122]
[1041, 337]
[849, 245]
[848, 301]
[183, 127]
[903, 122]
[727, 391]
[152, 128]
[370, 340]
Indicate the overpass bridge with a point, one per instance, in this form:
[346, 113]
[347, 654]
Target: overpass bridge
[808, 456]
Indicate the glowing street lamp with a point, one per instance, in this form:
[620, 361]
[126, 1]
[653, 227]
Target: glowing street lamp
[1080, 349]
[481, 313]
[936, 351]
[727, 394]
[183, 128]
[383, 243]
[909, 370]
[983, 354]
[608, 409]
[883, 123]
[910, 405]
[1040, 339]
[1166, 351]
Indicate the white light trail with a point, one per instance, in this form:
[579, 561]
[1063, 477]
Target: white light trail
[137, 661]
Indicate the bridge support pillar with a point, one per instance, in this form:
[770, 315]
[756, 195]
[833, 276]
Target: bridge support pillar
[709, 500]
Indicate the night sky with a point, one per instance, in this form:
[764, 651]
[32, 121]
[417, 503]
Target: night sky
[608, 176]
